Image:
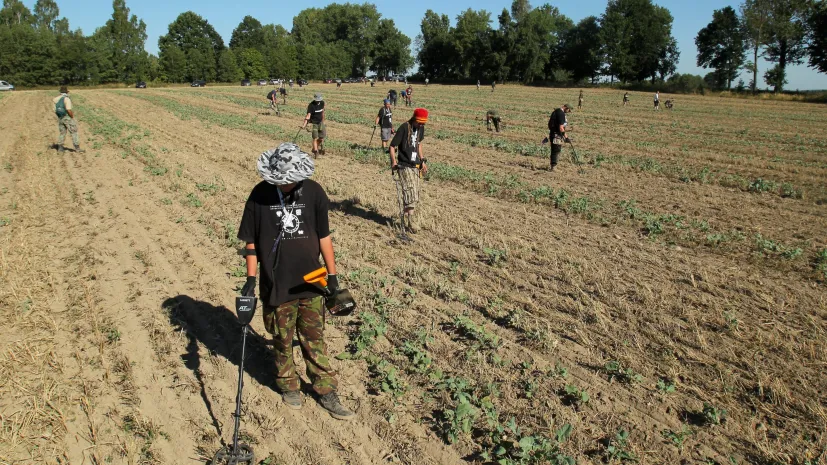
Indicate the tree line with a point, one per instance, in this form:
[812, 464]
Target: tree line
[630, 42]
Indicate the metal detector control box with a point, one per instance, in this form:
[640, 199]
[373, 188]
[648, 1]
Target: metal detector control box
[245, 308]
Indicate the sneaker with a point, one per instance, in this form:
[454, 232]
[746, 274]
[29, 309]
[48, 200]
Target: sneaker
[331, 403]
[292, 399]
[79, 150]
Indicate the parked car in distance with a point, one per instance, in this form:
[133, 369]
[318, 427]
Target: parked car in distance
[198, 83]
[301, 82]
[6, 86]
[262, 82]
[245, 82]
[140, 85]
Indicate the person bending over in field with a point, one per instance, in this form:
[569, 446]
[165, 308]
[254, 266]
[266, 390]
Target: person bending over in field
[66, 120]
[315, 116]
[385, 123]
[392, 97]
[407, 159]
[492, 117]
[557, 133]
[285, 226]
[283, 92]
[272, 97]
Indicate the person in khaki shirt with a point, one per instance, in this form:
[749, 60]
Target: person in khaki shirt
[66, 120]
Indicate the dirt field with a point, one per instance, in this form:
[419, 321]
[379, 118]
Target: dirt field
[659, 298]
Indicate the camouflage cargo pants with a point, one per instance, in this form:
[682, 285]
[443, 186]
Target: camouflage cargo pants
[306, 315]
[67, 124]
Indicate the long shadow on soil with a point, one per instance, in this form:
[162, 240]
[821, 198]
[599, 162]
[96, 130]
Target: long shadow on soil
[351, 207]
[219, 330]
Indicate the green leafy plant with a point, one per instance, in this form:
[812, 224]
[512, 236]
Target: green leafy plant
[510, 445]
[617, 448]
[677, 437]
[484, 338]
[495, 257]
[616, 371]
[665, 386]
[386, 378]
[713, 415]
[575, 395]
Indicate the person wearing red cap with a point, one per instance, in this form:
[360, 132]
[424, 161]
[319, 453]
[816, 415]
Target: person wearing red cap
[407, 158]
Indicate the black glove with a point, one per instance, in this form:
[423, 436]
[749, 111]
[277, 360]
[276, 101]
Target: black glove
[332, 284]
[249, 289]
[567, 140]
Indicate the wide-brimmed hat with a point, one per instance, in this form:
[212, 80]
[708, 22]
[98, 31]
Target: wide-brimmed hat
[64, 90]
[420, 115]
[318, 97]
[568, 106]
[285, 164]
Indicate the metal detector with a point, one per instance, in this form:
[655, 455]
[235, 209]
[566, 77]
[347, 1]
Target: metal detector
[239, 453]
[371, 136]
[576, 159]
[396, 180]
[297, 134]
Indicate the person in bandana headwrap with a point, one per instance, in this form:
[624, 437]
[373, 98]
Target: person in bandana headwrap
[285, 226]
[407, 159]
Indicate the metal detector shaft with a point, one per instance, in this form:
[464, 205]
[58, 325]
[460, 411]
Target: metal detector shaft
[240, 388]
[576, 158]
[371, 136]
[297, 134]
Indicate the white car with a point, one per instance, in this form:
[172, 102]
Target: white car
[6, 86]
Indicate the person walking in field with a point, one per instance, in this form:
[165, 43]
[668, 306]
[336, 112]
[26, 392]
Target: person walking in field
[580, 101]
[385, 122]
[272, 97]
[426, 82]
[315, 116]
[493, 85]
[492, 117]
[408, 160]
[657, 100]
[283, 92]
[625, 99]
[478, 85]
[66, 120]
[286, 227]
[557, 133]
[408, 95]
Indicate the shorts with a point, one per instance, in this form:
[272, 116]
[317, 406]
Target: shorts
[319, 130]
[386, 134]
[409, 180]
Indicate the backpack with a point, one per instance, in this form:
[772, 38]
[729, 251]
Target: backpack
[60, 108]
[271, 94]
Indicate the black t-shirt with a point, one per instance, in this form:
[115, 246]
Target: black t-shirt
[392, 93]
[558, 118]
[271, 94]
[385, 118]
[316, 110]
[407, 144]
[283, 266]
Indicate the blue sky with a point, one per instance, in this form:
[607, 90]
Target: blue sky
[224, 15]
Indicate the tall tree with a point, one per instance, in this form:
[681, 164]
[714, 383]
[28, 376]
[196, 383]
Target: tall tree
[786, 44]
[228, 69]
[248, 34]
[755, 16]
[472, 41]
[251, 64]
[581, 55]
[199, 42]
[817, 34]
[437, 55]
[721, 46]
[280, 52]
[124, 36]
[46, 13]
[392, 51]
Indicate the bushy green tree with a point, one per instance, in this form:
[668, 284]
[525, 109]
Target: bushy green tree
[199, 42]
[817, 35]
[280, 52]
[228, 69]
[786, 44]
[721, 46]
[391, 54]
[251, 64]
[582, 51]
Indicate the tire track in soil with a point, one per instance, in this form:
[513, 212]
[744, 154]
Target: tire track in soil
[226, 135]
